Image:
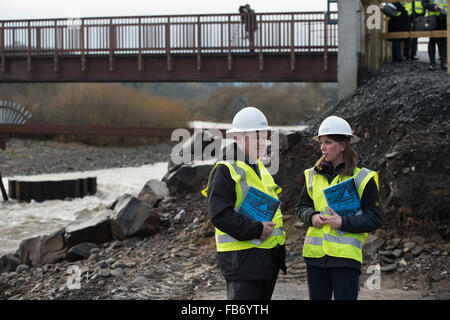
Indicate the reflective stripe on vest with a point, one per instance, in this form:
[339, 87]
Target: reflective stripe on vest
[244, 177]
[328, 241]
[243, 182]
[226, 238]
[310, 179]
[317, 241]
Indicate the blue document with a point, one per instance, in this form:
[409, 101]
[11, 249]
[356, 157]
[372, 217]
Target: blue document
[343, 198]
[258, 205]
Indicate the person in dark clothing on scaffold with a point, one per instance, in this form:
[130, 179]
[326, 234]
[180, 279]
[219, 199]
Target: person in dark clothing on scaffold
[438, 9]
[398, 22]
[414, 10]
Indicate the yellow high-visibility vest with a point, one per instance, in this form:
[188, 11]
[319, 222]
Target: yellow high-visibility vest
[327, 241]
[419, 10]
[244, 177]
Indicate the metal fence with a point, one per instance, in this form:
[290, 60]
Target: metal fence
[180, 34]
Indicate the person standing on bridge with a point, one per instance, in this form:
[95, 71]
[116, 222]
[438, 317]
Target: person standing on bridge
[332, 249]
[248, 18]
[250, 253]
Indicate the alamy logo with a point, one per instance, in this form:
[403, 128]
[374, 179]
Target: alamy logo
[208, 144]
[374, 280]
[373, 14]
[74, 279]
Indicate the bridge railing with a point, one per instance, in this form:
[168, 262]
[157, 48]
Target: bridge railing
[180, 34]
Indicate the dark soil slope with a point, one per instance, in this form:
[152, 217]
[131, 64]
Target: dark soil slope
[402, 115]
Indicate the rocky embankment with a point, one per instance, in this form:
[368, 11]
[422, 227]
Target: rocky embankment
[172, 264]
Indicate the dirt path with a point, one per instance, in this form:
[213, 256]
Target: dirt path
[286, 289]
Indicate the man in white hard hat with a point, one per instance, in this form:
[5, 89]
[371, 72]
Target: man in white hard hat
[250, 252]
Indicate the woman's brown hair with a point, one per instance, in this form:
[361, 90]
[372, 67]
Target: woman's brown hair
[349, 155]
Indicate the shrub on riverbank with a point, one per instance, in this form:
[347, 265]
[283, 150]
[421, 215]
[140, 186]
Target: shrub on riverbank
[111, 105]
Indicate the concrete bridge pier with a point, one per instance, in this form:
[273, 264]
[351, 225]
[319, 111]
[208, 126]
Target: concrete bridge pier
[350, 25]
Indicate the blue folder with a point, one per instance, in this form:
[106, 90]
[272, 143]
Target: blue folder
[343, 198]
[259, 206]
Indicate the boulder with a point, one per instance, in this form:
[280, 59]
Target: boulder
[43, 249]
[140, 281]
[389, 267]
[192, 149]
[91, 227]
[408, 246]
[153, 192]
[417, 250]
[30, 251]
[372, 244]
[289, 138]
[53, 247]
[80, 251]
[189, 177]
[133, 218]
[22, 268]
[397, 253]
[8, 263]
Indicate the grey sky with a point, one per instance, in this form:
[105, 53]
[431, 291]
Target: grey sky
[32, 9]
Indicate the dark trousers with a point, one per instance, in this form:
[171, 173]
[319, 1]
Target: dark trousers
[323, 282]
[251, 289]
[442, 47]
[397, 50]
[410, 49]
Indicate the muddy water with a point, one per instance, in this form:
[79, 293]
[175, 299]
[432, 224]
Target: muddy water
[22, 220]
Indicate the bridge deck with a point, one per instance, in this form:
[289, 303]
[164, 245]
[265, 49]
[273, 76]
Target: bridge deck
[294, 46]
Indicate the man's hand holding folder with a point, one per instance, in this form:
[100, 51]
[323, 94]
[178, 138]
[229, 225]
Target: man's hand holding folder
[267, 230]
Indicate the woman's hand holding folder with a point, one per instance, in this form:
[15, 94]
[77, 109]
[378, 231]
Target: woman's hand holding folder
[334, 220]
[318, 220]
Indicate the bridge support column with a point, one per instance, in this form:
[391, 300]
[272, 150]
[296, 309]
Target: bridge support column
[349, 42]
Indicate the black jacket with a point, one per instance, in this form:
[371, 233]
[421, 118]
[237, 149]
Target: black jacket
[429, 5]
[368, 221]
[400, 23]
[250, 264]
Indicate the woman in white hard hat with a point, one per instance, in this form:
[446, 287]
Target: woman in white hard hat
[250, 252]
[333, 245]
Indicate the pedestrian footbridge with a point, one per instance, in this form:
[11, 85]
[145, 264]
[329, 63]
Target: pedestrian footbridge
[293, 46]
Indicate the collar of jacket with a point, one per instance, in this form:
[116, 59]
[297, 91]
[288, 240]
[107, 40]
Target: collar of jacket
[327, 168]
[237, 154]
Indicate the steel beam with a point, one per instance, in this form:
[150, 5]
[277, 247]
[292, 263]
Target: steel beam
[183, 68]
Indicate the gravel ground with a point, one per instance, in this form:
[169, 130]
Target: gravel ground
[30, 157]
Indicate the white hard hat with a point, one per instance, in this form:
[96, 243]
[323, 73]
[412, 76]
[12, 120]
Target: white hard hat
[335, 125]
[249, 119]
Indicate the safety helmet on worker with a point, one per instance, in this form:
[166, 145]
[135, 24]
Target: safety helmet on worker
[334, 125]
[249, 119]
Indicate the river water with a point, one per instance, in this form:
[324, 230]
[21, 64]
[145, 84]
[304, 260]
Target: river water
[22, 220]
